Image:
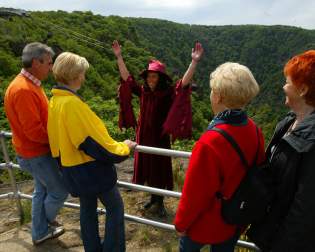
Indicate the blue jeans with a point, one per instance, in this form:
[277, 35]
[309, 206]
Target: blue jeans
[188, 245]
[114, 239]
[49, 191]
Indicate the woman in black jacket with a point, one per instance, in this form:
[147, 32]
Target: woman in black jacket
[290, 224]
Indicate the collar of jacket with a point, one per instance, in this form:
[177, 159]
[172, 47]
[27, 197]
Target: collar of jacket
[64, 91]
[235, 117]
[302, 138]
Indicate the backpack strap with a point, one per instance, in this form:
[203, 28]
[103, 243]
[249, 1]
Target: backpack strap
[237, 148]
[234, 144]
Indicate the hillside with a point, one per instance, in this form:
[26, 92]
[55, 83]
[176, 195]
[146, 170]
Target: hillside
[264, 49]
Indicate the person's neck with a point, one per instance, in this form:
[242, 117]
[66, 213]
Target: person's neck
[302, 111]
[69, 86]
[152, 89]
[73, 85]
[219, 109]
[33, 72]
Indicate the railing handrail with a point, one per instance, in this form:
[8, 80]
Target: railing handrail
[103, 211]
[162, 152]
[6, 134]
[153, 150]
[140, 148]
[122, 184]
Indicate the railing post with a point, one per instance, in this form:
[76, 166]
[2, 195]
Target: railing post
[11, 175]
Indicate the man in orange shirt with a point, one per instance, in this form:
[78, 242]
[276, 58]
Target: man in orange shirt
[26, 107]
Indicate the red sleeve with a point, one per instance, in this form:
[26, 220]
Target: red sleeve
[201, 183]
[131, 85]
[178, 123]
[126, 115]
[28, 113]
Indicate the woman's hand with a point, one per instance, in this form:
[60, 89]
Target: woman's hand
[124, 73]
[130, 144]
[116, 48]
[196, 53]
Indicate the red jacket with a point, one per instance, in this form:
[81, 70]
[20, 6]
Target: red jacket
[214, 166]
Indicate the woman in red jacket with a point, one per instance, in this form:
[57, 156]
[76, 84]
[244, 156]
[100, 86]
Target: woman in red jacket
[215, 166]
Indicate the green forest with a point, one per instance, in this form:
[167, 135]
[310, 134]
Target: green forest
[264, 49]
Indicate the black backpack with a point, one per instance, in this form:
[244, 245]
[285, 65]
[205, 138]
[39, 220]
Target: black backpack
[252, 199]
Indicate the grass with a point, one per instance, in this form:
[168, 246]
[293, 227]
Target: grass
[179, 168]
[27, 211]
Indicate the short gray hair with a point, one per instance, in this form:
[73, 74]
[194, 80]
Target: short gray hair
[35, 50]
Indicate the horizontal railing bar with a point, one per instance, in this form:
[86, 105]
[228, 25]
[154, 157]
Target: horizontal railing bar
[133, 218]
[162, 152]
[148, 189]
[7, 195]
[248, 245]
[5, 134]
[127, 185]
[140, 148]
[9, 165]
[127, 216]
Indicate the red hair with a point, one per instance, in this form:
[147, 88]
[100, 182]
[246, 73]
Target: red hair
[301, 69]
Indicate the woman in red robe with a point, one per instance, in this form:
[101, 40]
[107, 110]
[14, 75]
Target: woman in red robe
[165, 110]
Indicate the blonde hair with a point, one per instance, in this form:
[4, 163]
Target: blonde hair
[234, 83]
[68, 66]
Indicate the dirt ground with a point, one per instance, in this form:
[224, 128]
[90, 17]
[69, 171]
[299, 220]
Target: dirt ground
[16, 238]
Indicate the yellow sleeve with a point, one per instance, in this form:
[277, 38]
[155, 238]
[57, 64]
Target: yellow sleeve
[88, 132]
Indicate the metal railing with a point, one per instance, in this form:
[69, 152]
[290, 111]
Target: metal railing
[17, 195]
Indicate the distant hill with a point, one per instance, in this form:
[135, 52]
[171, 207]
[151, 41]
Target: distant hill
[264, 49]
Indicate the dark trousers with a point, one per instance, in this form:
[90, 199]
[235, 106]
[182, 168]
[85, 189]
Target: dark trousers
[114, 239]
[188, 245]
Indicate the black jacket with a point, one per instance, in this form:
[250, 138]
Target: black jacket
[290, 225]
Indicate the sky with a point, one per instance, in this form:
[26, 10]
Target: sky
[299, 13]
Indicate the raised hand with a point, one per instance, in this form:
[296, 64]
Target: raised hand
[196, 53]
[116, 48]
[124, 73]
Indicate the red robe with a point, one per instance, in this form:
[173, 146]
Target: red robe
[162, 113]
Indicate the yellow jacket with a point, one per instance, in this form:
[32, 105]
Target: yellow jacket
[80, 140]
[70, 122]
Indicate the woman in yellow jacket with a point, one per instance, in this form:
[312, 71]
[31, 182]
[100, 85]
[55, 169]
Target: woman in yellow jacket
[80, 141]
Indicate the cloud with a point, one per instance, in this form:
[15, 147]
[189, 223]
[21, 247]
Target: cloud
[207, 12]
